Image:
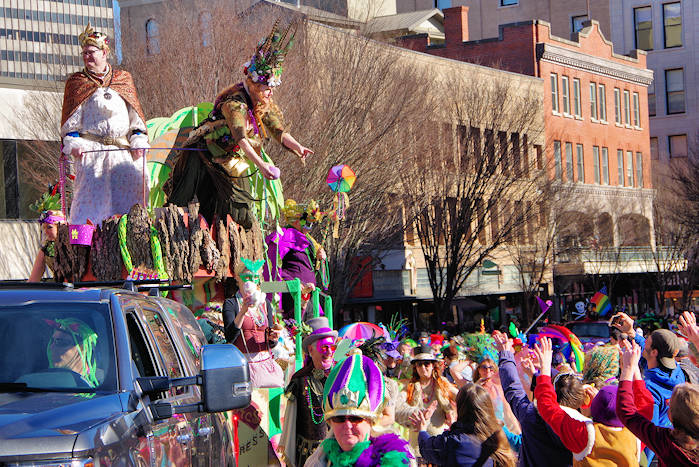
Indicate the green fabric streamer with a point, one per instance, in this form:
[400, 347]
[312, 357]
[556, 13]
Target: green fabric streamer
[157, 253]
[267, 192]
[125, 256]
[394, 459]
[340, 458]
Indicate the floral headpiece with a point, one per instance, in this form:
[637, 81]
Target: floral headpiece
[306, 213]
[91, 37]
[49, 206]
[355, 386]
[265, 66]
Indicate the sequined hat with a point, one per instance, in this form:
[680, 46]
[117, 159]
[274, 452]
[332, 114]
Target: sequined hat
[355, 386]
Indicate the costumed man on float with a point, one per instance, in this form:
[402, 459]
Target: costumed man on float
[244, 114]
[353, 397]
[293, 253]
[250, 325]
[304, 425]
[104, 131]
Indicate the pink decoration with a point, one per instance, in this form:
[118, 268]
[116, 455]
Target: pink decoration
[276, 173]
[81, 234]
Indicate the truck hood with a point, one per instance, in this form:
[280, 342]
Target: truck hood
[49, 422]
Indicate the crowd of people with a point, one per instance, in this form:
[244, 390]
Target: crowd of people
[503, 403]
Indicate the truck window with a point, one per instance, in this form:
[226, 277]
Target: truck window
[140, 355]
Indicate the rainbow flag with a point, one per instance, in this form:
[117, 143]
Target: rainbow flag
[601, 301]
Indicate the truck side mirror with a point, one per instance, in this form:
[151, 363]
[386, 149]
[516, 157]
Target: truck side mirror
[225, 378]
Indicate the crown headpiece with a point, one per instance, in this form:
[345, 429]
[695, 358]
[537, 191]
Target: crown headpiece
[355, 386]
[91, 37]
[265, 66]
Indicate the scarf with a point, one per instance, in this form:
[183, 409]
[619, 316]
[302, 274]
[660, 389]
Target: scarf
[387, 450]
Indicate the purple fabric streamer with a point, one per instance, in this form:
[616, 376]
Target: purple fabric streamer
[380, 446]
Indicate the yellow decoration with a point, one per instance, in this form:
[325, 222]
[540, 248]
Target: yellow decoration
[74, 234]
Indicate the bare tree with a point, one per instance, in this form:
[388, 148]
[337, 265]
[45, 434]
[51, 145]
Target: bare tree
[468, 184]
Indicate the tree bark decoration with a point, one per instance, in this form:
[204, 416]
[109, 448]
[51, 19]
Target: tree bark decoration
[138, 237]
[196, 236]
[224, 247]
[104, 250]
[174, 240]
[71, 260]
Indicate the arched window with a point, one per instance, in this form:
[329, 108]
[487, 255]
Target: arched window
[205, 25]
[152, 37]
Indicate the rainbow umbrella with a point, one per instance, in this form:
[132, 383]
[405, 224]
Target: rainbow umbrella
[360, 330]
[341, 178]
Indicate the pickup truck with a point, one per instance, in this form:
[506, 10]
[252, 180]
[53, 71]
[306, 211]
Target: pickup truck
[105, 376]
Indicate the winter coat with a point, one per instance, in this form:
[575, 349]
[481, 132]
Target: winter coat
[453, 448]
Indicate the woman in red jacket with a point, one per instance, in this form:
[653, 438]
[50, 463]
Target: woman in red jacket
[603, 440]
[678, 446]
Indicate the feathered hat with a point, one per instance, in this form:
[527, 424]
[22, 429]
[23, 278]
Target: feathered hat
[480, 346]
[265, 66]
[355, 386]
[49, 206]
[91, 37]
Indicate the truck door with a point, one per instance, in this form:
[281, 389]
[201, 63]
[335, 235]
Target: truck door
[171, 439]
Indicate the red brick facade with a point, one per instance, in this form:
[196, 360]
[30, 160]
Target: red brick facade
[529, 48]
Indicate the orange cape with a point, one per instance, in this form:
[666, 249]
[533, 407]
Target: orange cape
[79, 87]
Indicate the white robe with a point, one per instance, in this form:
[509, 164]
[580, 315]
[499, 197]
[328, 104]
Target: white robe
[106, 182]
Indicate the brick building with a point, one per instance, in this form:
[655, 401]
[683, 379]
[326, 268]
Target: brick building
[597, 139]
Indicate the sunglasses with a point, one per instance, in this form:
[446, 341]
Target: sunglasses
[488, 367]
[424, 363]
[353, 419]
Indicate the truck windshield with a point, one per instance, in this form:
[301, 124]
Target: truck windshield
[57, 347]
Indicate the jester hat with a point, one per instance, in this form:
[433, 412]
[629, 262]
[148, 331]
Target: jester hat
[91, 37]
[355, 387]
[265, 66]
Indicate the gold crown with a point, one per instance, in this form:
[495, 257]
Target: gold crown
[346, 402]
[91, 37]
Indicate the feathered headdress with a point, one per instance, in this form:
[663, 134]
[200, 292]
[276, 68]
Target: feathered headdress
[91, 37]
[265, 66]
[49, 206]
[480, 346]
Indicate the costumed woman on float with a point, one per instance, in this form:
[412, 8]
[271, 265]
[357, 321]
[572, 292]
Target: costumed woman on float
[244, 114]
[104, 130]
[294, 254]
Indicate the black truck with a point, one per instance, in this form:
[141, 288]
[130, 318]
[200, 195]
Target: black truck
[103, 376]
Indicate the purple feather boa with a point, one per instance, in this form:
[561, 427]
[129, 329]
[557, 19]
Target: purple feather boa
[381, 445]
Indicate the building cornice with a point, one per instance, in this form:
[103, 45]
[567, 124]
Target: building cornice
[562, 56]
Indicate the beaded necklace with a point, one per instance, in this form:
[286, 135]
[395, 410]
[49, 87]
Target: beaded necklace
[307, 392]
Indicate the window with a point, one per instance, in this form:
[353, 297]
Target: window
[627, 108]
[672, 24]
[576, 98]
[152, 37]
[636, 111]
[554, 92]
[593, 101]
[620, 166]
[602, 100]
[651, 99]
[674, 90]
[643, 24]
[569, 162]
[565, 91]
[508, 2]
[654, 148]
[605, 166]
[576, 23]
[539, 156]
[677, 145]
[581, 163]
[595, 162]
[557, 159]
[639, 170]
[617, 106]
[629, 168]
